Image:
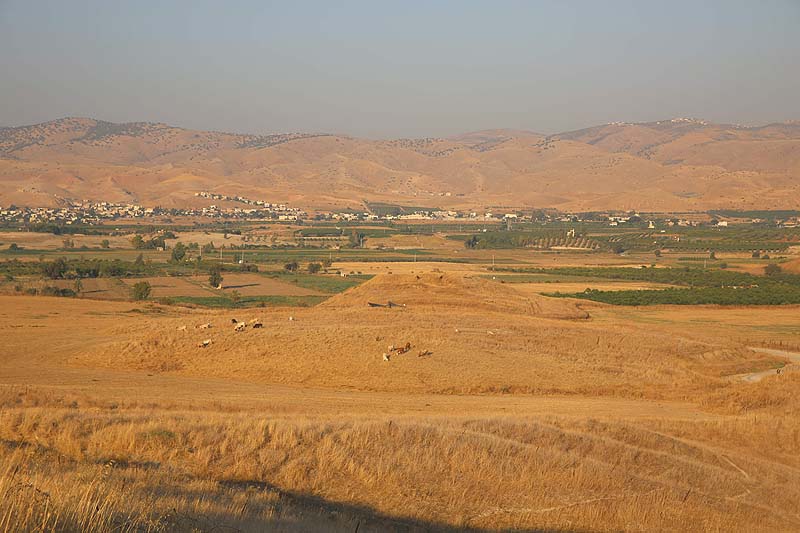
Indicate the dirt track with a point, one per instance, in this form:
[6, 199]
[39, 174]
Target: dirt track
[754, 377]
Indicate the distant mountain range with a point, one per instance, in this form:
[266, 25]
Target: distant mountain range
[669, 165]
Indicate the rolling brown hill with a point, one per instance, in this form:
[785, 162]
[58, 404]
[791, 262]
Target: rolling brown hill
[678, 164]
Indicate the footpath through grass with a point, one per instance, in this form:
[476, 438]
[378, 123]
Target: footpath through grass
[248, 301]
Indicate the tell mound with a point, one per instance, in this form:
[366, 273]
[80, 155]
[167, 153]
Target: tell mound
[450, 290]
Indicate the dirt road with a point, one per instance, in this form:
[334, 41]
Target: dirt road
[793, 357]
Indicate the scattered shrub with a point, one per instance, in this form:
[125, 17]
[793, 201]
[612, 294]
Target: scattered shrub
[141, 291]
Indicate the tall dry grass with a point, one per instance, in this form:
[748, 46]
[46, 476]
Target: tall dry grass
[106, 468]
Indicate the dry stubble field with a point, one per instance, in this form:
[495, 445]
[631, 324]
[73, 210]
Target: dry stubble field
[527, 413]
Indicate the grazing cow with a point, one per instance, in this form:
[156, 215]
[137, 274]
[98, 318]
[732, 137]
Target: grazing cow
[204, 344]
[291, 319]
[386, 357]
[182, 328]
[257, 325]
[207, 325]
[240, 326]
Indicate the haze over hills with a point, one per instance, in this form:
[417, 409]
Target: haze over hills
[677, 164]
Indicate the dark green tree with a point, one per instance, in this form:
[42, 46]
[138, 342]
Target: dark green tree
[141, 290]
[178, 252]
[55, 269]
[215, 276]
[772, 269]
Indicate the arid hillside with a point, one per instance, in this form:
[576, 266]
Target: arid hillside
[678, 164]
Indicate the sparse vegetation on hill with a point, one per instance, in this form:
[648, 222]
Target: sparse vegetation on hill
[657, 167]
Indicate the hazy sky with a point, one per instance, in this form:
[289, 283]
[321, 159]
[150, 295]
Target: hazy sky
[402, 68]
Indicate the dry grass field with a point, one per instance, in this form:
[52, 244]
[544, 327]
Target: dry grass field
[245, 284]
[510, 411]
[50, 242]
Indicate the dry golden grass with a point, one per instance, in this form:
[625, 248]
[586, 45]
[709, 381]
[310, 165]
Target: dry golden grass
[484, 338]
[132, 466]
[48, 241]
[632, 419]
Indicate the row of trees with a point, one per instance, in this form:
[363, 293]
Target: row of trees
[61, 268]
[694, 277]
[772, 294]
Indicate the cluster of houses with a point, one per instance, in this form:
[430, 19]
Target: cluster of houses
[87, 212]
[243, 200]
[439, 215]
[74, 213]
[262, 208]
[95, 212]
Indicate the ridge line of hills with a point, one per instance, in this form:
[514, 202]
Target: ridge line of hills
[676, 164]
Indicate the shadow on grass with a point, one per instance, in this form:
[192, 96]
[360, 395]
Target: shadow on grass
[351, 517]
